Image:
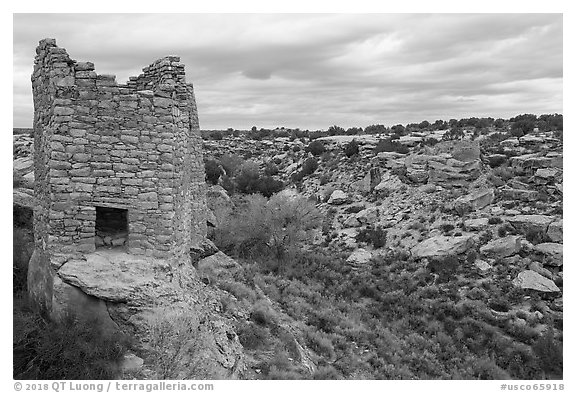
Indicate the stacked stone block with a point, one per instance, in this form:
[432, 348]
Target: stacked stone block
[101, 144]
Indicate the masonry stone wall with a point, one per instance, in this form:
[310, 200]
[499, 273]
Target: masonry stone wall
[102, 144]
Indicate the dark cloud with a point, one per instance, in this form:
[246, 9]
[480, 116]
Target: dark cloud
[314, 70]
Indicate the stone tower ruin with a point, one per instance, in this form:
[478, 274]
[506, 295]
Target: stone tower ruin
[116, 165]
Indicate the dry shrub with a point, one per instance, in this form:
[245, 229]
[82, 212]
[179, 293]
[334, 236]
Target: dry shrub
[174, 343]
[66, 349]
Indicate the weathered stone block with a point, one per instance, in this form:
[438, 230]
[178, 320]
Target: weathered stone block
[77, 133]
[67, 81]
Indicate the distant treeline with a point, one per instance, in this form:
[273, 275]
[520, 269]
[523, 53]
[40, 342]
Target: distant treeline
[521, 124]
[19, 131]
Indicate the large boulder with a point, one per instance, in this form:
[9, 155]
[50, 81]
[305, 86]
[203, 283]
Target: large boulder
[502, 247]
[442, 246]
[219, 203]
[23, 165]
[203, 249]
[359, 257]
[530, 163]
[368, 216]
[117, 276]
[553, 252]
[368, 182]
[475, 200]
[338, 197]
[25, 199]
[417, 166]
[531, 222]
[454, 173]
[476, 224]
[555, 231]
[351, 222]
[388, 182]
[548, 174]
[538, 268]
[218, 265]
[139, 291]
[466, 151]
[529, 279]
[518, 194]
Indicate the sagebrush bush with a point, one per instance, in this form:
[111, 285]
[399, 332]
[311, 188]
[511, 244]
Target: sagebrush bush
[549, 352]
[352, 148]
[248, 178]
[494, 220]
[389, 145]
[213, 171]
[67, 349]
[315, 148]
[309, 166]
[253, 336]
[271, 169]
[445, 267]
[263, 315]
[269, 186]
[275, 227]
[324, 179]
[326, 373]
[320, 343]
[372, 235]
[231, 163]
[446, 227]
[175, 342]
[22, 217]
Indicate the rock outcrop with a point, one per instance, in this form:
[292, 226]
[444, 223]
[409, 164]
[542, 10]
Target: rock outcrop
[474, 201]
[503, 247]
[529, 279]
[442, 246]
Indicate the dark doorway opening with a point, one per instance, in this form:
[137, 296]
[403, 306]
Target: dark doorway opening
[111, 227]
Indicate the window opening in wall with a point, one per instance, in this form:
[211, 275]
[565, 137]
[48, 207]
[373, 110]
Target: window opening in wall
[111, 227]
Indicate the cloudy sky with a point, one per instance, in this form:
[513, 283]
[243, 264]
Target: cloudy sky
[314, 70]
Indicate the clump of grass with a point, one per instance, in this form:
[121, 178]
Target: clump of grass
[65, 349]
[549, 352]
[174, 341]
[373, 235]
[253, 336]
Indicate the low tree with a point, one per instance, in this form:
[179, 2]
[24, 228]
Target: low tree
[354, 131]
[336, 130]
[231, 163]
[389, 145]
[499, 123]
[269, 186]
[424, 124]
[375, 129]
[271, 169]
[213, 171]
[248, 178]
[352, 148]
[399, 130]
[522, 127]
[453, 134]
[309, 166]
[316, 148]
